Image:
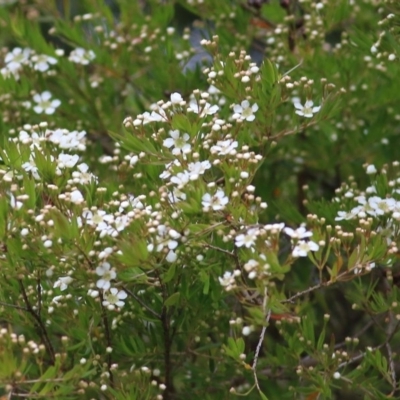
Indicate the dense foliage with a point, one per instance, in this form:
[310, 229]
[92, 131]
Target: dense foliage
[199, 199]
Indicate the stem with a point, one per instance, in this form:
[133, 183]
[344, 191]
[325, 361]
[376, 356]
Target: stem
[108, 338]
[39, 323]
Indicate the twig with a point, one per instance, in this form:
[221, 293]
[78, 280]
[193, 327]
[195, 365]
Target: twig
[13, 306]
[108, 338]
[229, 253]
[362, 354]
[142, 303]
[313, 288]
[39, 322]
[261, 339]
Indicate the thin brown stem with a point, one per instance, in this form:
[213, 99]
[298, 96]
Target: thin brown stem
[39, 323]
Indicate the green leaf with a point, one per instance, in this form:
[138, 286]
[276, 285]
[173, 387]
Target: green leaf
[172, 300]
[169, 275]
[263, 396]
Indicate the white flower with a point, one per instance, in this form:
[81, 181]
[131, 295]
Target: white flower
[228, 280]
[73, 140]
[81, 56]
[380, 206]
[202, 109]
[224, 147]
[303, 247]
[114, 298]
[107, 274]
[176, 98]
[83, 176]
[98, 217]
[67, 160]
[121, 223]
[16, 58]
[245, 111]
[30, 166]
[42, 61]
[371, 169]
[63, 282]
[299, 233]
[171, 256]
[45, 104]
[307, 110]
[8, 73]
[216, 202]
[178, 142]
[198, 168]
[176, 195]
[76, 197]
[248, 239]
[181, 179]
[163, 239]
[14, 203]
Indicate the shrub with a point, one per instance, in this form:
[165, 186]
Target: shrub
[199, 199]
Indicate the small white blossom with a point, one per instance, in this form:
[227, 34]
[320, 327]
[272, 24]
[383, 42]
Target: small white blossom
[307, 110]
[76, 197]
[83, 176]
[302, 248]
[30, 166]
[224, 147]
[67, 160]
[228, 280]
[17, 58]
[42, 62]
[198, 168]
[63, 282]
[217, 202]
[244, 111]
[114, 298]
[248, 239]
[81, 56]
[178, 142]
[176, 98]
[202, 109]
[107, 274]
[45, 104]
[299, 233]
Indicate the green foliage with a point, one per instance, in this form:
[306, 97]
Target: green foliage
[199, 199]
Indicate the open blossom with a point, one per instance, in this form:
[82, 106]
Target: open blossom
[198, 168]
[45, 104]
[176, 98]
[245, 111]
[83, 175]
[303, 247]
[30, 166]
[247, 239]
[63, 282]
[114, 298]
[178, 142]
[42, 62]
[224, 147]
[76, 197]
[107, 274]
[202, 109]
[228, 280]
[74, 140]
[217, 202]
[17, 58]
[181, 179]
[299, 233]
[81, 56]
[307, 110]
[67, 160]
